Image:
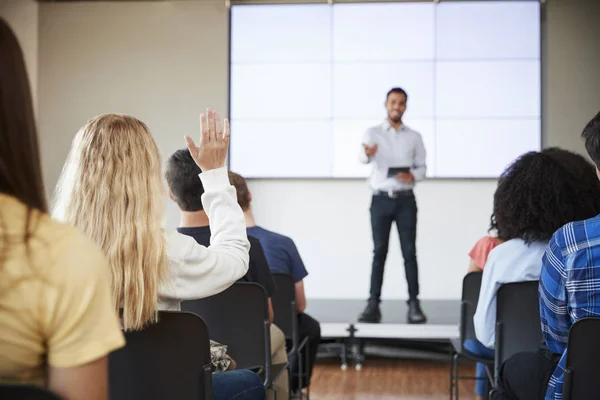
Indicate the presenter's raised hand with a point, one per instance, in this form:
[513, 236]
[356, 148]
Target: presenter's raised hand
[370, 150]
[214, 142]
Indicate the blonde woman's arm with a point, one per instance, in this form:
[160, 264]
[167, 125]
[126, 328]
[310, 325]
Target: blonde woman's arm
[197, 271]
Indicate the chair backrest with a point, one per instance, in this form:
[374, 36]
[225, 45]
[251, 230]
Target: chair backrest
[583, 352]
[284, 304]
[239, 318]
[518, 326]
[166, 360]
[25, 392]
[468, 304]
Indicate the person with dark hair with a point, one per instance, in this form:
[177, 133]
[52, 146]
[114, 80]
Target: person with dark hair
[56, 314]
[568, 280]
[283, 257]
[186, 190]
[398, 156]
[535, 196]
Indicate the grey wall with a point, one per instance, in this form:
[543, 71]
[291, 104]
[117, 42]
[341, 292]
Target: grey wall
[571, 80]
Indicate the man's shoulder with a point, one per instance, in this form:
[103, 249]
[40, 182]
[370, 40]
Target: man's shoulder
[375, 129]
[261, 232]
[412, 131]
[578, 236]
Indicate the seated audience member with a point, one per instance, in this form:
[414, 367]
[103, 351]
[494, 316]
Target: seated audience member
[56, 316]
[568, 286]
[536, 195]
[186, 190]
[479, 255]
[283, 257]
[111, 189]
[480, 252]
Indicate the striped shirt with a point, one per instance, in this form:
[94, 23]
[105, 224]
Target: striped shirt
[569, 288]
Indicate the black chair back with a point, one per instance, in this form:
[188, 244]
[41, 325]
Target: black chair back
[25, 392]
[239, 318]
[518, 326]
[284, 304]
[583, 352]
[166, 360]
[468, 305]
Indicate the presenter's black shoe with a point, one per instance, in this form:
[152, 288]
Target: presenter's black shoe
[415, 314]
[372, 314]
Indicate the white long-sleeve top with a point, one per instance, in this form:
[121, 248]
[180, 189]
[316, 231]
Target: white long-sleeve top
[196, 271]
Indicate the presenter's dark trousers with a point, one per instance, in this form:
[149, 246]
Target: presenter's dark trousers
[401, 209]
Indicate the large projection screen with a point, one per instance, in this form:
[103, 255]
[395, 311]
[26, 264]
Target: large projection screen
[308, 80]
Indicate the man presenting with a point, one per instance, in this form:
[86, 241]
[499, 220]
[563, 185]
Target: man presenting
[397, 155]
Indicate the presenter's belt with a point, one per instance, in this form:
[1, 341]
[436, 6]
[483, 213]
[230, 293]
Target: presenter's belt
[392, 194]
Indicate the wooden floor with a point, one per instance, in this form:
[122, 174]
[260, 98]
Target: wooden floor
[387, 380]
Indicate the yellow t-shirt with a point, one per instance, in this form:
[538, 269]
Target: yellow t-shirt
[55, 299]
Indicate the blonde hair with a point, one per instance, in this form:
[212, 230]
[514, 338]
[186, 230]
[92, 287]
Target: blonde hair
[111, 189]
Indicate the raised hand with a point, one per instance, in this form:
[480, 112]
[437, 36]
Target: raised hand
[214, 142]
[370, 150]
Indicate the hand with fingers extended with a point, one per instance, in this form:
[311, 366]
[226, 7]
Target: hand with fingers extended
[370, 150]
[214, 142]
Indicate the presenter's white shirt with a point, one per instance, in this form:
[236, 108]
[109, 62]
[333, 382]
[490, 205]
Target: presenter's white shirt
[511, 261]
[395, 148]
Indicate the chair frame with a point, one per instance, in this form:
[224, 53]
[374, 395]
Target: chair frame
[297, 345]
[27, 392]
[268, 380]
[499, 345]
[567, 393]
[459, 352]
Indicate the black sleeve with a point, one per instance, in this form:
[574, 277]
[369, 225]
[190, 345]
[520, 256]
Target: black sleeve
[261, 273]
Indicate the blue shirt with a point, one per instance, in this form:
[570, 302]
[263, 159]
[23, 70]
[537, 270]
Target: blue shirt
[281, 253]
[569, 288]
[511, 261]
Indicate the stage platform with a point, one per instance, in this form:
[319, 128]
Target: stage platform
[352, 340]
[338, 316]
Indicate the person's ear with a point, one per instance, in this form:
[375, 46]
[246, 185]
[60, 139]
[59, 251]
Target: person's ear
[172, 197]
[249, 196]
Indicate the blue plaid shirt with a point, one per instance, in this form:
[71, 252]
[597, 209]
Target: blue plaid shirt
[569, 288]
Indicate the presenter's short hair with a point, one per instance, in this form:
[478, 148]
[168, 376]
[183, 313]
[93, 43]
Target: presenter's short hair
[398, 90]
[542, 191]
[241, 188]
[591, 137]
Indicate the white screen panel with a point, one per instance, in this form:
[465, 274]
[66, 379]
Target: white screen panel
[488, 89]
[307, 80]
[359, 89]
[281, 149]
[383, 32]
[427, 128]
[482, 148]
[279, 33]
[347, 139]
[488, 30]
[281, 91]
